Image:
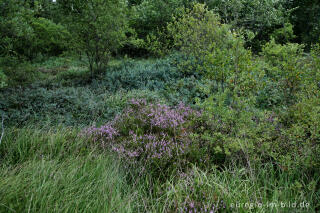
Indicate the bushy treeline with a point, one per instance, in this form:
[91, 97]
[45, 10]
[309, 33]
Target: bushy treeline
[100, 29]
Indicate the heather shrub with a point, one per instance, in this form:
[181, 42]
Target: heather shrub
[155, 135]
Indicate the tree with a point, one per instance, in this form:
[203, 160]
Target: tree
[212, 48]
[261, 17]
[25, 34]
[100, 28]
[306, 20]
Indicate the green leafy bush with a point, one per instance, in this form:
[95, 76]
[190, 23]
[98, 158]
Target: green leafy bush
[98, 33]
[3, 79]
[260, 17]
[26, 35]
[51, 39]
[301, 135]
[286, 65]
[20, 74]
[213, 50]
[270, 95]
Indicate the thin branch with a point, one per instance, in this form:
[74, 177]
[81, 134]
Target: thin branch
[2, 127]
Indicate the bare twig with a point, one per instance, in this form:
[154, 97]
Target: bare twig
[2, 127]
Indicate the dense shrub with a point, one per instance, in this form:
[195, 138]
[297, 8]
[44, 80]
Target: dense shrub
[152, 134]
[286, 66]
[141, 75]
[305, 19]
[150, 15]
[213, 50]
[67, 105]
[26, 35]
[261, 17]
[3, 79]
[20, 74]
[301, 135]
[270, 95]
[313, 76]
[51, 39]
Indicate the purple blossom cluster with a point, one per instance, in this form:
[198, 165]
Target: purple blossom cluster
[103, 133]
[161, 115]
[151, 146]
[146, 131]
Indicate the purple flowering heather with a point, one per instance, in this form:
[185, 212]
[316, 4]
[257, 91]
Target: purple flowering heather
[149, 132]
[105, 132]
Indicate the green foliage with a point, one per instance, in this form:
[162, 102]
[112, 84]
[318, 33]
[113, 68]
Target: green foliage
[151, 15]
[261, 17]
[212, 49]
[43, 169]
[52, 38]
[196, 33]
[286, 65]
[270, 95]
[158, 43]
[20, 74]
[3, 79]
[195, 30]
[236, 189]
[284, 35]
[314, 75]
[306, 21]
[301, 137]
[26, 35]
[16, 33]
[100, 29]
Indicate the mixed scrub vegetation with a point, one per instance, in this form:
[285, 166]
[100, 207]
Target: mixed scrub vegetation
[159, 106]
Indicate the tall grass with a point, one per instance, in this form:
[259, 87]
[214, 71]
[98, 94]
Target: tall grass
[50, 171]
[84, 184]
[54, 170]
[236, 190]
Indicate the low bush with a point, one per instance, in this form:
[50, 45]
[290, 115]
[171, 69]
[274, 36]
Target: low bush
[152, 75]
[152, 134]
[300, 136]
[270, 96]
[20, 74]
